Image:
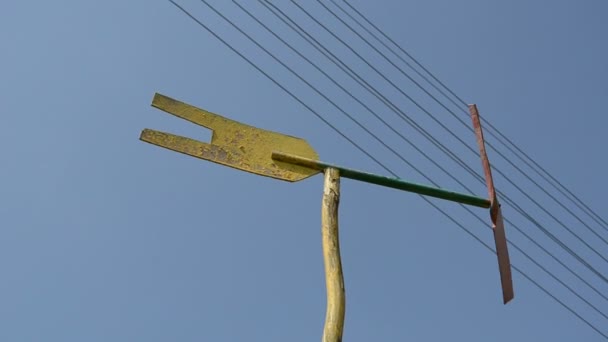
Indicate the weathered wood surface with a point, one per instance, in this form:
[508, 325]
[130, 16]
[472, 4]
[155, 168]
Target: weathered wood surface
[334, 279]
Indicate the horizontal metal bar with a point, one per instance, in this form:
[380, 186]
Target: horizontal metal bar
[394, 183]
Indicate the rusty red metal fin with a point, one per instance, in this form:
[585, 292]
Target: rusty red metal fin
[500, 239]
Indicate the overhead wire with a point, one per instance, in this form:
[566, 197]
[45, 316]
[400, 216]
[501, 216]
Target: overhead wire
[319, 116]
[493, 130]
[460, 120]
[575, 199]
[375, 160]
[409, 65]
[393, 151]
[363, 83]
[338, 62]
[406, 53]
[356, 99]
[508, 179]
[400, 156]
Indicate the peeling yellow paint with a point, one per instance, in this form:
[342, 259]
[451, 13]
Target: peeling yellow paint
[232, 144]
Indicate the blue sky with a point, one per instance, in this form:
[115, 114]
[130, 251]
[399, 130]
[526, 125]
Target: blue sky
[106, 238]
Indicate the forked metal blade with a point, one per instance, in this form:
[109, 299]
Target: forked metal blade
[500, 239]
[233, 144]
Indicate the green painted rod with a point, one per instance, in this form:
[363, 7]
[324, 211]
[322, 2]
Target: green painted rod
[395, 183]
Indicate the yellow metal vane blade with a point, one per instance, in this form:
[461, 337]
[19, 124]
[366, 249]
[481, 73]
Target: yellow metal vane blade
[232, 144]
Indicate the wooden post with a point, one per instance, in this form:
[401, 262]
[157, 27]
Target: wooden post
[334, 280]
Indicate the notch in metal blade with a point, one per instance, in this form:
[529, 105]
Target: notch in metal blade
[233, 144]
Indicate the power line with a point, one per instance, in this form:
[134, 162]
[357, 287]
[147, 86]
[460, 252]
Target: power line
[349, 47]
[425, 78]
[547, 177]
[565, 192]
[378, 139]
[406, 53]
[352, 142]
[461, 121]
[363, 83]
[350, 94]
[338, 62]
[411, 144]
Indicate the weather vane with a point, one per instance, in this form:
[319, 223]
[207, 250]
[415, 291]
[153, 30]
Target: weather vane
[292, 159]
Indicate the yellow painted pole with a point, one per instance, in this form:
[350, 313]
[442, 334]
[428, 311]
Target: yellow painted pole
[334, 280]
